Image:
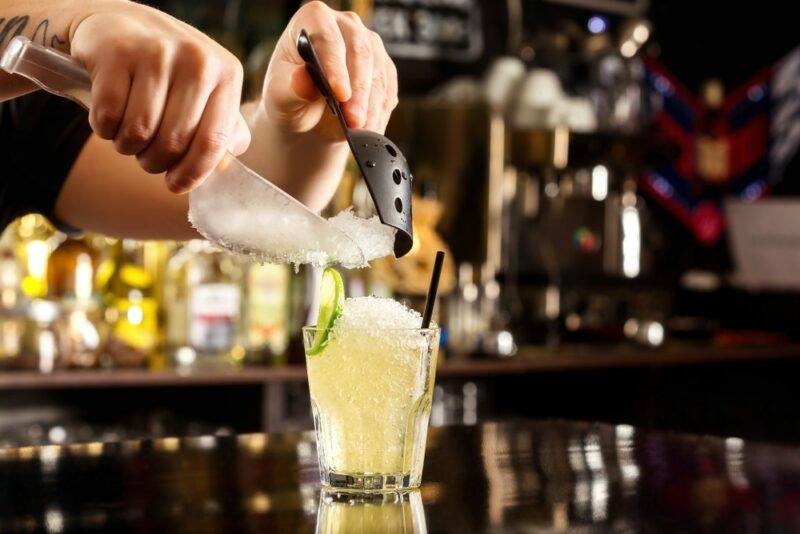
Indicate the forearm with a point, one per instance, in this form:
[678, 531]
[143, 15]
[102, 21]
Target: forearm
[304, 165]
[44, 21]
[109, 193]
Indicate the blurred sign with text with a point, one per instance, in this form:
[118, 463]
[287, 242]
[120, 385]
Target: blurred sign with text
[430, 29]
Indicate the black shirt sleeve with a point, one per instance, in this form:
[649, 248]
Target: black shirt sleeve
[41, 135]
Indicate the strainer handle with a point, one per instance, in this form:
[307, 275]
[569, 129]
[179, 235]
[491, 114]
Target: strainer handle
[48, 68]
[306, 50]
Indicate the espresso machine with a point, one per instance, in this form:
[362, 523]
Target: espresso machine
[542, 211]
[581, 250]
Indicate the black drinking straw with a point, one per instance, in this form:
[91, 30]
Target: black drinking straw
[432, 289]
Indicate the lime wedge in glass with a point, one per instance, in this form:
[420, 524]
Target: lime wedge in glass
[331, 303]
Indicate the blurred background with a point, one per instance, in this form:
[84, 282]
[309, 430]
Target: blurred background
[615, 182]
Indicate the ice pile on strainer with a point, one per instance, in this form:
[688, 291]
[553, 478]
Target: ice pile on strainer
[239, 210]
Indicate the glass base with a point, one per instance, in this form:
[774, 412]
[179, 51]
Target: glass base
[368, 482]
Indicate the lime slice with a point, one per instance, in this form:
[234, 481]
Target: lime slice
[331, 302]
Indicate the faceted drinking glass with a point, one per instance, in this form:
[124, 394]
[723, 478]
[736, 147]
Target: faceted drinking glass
[371, 394]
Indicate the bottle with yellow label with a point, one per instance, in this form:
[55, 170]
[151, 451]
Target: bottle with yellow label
[266, 313]
[34, 238]
[128, 291]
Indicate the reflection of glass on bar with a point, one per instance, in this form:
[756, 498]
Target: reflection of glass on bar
[399, 513]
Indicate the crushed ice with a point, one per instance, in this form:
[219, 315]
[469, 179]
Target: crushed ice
[377, 313]
[374, 238]
[284, 241]
[233, 209]
[378, 322]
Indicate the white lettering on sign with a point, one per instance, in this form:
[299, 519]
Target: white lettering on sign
[430, 29]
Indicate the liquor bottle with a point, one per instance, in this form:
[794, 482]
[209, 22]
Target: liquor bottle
[302, 309]
[11, 306]
[203, 295]
[128, 287]
[70, 281]
[713, 143]
[70, 270]
[463, 313]
[267, 313]
[33, 240]
[42, 343]
[10, 274]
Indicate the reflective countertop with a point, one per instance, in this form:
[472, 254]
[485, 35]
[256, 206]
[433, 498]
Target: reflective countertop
[521, 476]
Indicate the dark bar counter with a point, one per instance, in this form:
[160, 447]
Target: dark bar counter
[522, 476]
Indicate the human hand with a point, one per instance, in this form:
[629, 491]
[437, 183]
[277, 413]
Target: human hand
[361, 74]
[161, 90]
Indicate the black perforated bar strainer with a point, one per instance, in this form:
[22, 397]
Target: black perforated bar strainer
[383, 166]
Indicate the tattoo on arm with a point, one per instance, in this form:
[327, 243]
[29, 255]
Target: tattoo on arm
[10, 28]
[43, 26]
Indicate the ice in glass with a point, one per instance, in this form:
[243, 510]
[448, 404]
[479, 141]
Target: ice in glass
[371, 384]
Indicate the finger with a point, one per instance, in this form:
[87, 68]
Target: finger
[145, 107]
[376, 98]
[359, 66]
[214, 136]
[110, 88]
[241, 136]
[391, 86]
[324, 32]
[390, 100]
[379, 85]
[185, 103]
[296, 103]
[385, 87]
[292, 97]
[303, 85]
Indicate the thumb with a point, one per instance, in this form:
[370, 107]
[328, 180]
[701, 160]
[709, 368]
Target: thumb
[241, 136]
[290, 88]
[291, 96]
[303, 85]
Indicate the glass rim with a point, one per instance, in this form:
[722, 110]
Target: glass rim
[431, 329]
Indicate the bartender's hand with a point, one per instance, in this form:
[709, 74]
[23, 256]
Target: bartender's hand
[299, 145]
[360, 72]
[184, 89]
[161, 90]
